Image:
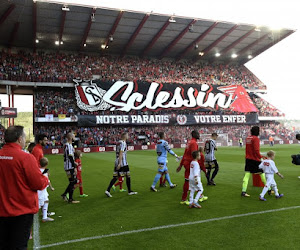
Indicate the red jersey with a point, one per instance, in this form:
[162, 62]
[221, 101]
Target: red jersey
[78, 161]
[187, 156]
[20, 179]
[253, 148]
[38, 153]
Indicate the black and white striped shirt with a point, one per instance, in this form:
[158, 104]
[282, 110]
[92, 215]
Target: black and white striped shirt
[121, 146]
[68, 152]
[210, 146]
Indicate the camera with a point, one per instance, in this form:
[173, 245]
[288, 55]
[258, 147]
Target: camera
[296, 159]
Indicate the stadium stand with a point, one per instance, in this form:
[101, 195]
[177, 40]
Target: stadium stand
[60, 67]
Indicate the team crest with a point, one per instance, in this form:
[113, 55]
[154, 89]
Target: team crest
[181, 119]
[89, 96]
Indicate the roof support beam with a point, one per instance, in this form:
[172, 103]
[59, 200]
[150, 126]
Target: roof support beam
[13, 34]
[175, 41]
[7, 13]
[216, 42]
[62, 25]
[198, 40]
[114, 27]
[241, 52]
[224, 51]
[155, 38]
[34, 24]
[134, 35]
[87, 29]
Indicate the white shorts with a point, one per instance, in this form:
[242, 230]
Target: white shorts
[195, 187]
[270, 180]
[43, 197]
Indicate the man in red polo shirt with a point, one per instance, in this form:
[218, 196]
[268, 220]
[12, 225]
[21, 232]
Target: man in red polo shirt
[37, 151]
[186, 161]
[253, 159]
[20, 179]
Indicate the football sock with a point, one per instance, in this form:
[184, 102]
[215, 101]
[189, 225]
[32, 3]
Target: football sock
[167, 176]
[192, 192]
[81, 190]
[156, 178]
[208, 175]
[164, 181]
[121, 182]
[264, 191]
[276, 190]
[161, 180]
[185, 190]
[245, 181]
[128, 183]
[215, 172]
[112, 182]
[198, 196]
[45, 210]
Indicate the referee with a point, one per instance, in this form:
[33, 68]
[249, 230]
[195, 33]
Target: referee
[253, 159]
[69, 166]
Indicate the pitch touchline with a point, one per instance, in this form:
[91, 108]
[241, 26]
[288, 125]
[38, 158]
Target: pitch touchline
[36, 232]
[166, 226]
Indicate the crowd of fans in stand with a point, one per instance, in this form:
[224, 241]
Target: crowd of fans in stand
[265, 108]
[147, 135]
[61, 67]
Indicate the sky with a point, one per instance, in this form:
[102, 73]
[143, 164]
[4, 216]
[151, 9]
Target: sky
[276, 67]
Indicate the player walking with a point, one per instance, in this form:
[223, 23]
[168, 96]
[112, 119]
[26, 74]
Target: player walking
[269, 168]
[121, 166]
[253, 158]
[186, 161]
[210, 159]
[195, 180]
[69, 166]
[162, 150]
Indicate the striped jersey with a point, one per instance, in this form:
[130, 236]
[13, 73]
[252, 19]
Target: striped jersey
[68, 152]
[210, 146]
[121, 146]
[162, 149]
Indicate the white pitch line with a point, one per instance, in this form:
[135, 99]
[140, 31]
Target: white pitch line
[36, 232]
[167, 226]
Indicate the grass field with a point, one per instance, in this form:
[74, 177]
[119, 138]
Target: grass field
[98, 215]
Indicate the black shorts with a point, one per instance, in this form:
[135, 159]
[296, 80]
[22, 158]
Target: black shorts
[211, 164]
[122, 171]
[252, 166]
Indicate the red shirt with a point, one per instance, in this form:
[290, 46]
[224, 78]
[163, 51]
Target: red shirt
[78, 161]
[253, 148]
[187, 156]
[20, 179]
[38, 153]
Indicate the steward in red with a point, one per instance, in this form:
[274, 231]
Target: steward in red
[20, 178]
[186, 161]
[253, 158]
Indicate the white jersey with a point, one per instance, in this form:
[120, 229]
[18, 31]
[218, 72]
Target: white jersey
[43, 194]
[194, 170]
[121, 146]
[210, 146]
[68, 152]
[268, 166]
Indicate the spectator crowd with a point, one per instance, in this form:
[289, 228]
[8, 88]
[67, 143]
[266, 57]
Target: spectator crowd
[147, 135]
[62, 67]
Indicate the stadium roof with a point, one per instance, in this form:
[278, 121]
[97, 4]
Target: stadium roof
[79, 28]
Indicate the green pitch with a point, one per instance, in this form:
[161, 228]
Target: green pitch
[98, 215]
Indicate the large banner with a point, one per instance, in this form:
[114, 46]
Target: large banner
[129, 96]
[98, 120]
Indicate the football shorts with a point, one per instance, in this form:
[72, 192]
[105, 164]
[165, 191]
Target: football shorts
[252, 166]
[122, 171]
[162, 167]
[211, 164]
